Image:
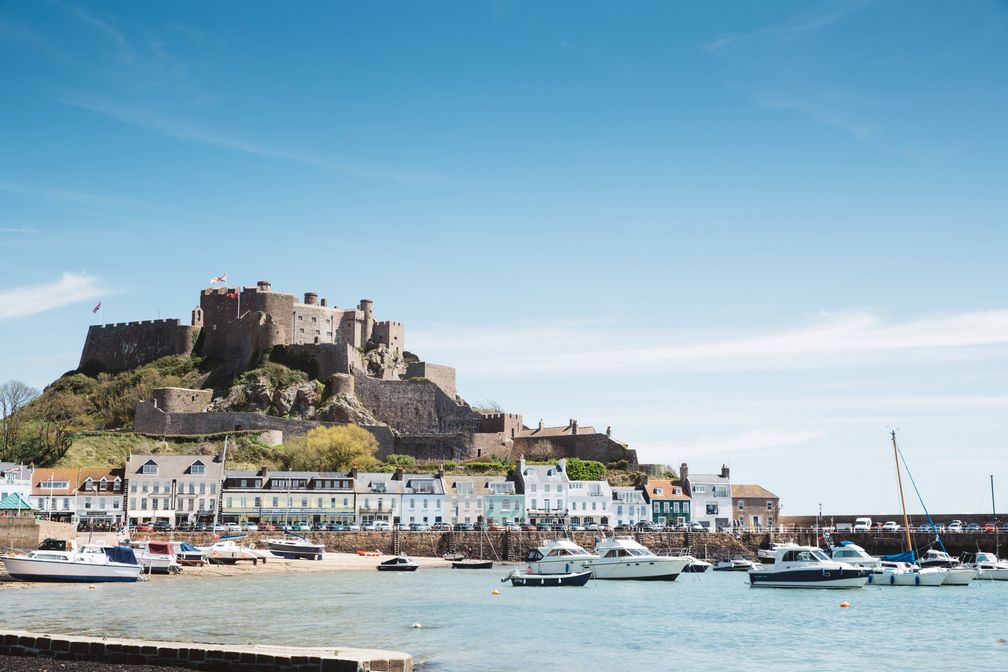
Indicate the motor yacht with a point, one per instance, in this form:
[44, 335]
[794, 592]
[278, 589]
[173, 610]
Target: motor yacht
[890, 573]
[294, 548]
[559, 556]
[989, 567]
[807, 567]
[227, 552]
[624, 558]
[92, 563]
[850, 553]
[400, 563]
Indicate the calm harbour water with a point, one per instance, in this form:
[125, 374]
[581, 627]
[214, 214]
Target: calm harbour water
[712, 622]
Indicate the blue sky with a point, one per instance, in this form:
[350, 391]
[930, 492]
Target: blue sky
[753, 233]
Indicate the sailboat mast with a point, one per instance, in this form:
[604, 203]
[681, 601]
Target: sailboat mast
[899, 480]
[997, 542]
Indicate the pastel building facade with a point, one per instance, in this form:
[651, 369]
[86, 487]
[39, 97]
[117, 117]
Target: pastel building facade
[545, 488]
[711, 495]
[588, 502]
[15, 479]
[287, 497]
[174, 488]
[669, 504]
[629, 507]
[423, 498]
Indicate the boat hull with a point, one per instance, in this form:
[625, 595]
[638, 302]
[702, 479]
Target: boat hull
[959, 576]
[697, 568]
[809, 578]
[26, 569]
[472, 565]
[644, 569]
[550, 580]
[924, 578]
[398, 568]
[295, 551]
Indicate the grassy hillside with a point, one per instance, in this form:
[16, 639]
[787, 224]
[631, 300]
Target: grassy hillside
[110, 448]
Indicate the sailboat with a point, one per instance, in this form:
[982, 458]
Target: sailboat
[988, 565]
[900, 569]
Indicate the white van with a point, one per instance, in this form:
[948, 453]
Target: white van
[862, 525]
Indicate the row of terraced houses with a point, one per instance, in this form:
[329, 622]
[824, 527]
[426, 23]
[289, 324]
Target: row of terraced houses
[198, 489]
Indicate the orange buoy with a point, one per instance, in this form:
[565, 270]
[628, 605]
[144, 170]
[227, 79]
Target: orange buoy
[845, 604]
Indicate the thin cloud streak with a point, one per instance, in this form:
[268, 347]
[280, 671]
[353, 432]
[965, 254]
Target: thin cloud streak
[33, 299]
[531, 350]
[181, 129]
[758, 439]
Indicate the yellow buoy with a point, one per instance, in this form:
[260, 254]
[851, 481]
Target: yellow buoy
[495, 592]
[845, 604]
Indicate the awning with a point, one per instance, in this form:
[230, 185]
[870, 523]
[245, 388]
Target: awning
[15, 502]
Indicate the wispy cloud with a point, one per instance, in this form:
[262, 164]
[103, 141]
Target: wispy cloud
[71, 195]
[182, 129]
[102, 27]
[33, 299]
[18, 229]
[533, 349]
[799, 26]
[826, 114]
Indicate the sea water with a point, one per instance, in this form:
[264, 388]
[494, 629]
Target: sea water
[700, 623]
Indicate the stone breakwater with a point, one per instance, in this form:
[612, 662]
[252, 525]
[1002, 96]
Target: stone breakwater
[193, 656]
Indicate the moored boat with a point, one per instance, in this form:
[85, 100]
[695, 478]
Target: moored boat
[549, 580]
[156, 557]
[736, 565]
[850, 553]
[559, 556]
[988, 567]
[294, 548]
[890, 573]
[400, 563]
[188, 556]
[807, 567]
[771, 553]
[695, 566]
[624, 558]
[92, 564]
[472, 564]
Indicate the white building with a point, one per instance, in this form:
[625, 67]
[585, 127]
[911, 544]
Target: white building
[711, 495]
[465, 499]
[423, 499]
[377, 497]
[99, 497]
[15, 479]
[629, 507]
[545, 488]
[176, 488]
[588, 502]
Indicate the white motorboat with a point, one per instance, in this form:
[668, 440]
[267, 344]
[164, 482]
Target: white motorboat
[92, 564]
[850, 553]
[695, 566]
[227, 552]
[989, 567]
[624, 558]
[156, 557]
[400, 563]
[736, 565]
[958, 573]
[890, 573]
[188, 556]
[294, 548]
[807, 567]
[559, 556]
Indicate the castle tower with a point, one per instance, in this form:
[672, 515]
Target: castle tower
[197, 317]
[367, 307]
[311, 299]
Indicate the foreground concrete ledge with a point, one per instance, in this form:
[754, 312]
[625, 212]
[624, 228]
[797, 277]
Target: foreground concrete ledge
[198, 656]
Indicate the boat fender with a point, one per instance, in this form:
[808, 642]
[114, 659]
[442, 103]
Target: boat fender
[917, 579]
[892, 579]
[845, 604]
[870, 578]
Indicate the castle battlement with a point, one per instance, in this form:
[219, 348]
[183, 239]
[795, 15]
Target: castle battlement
[389, 323]
[171, 322]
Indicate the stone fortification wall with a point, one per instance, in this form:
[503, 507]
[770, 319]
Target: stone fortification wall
[508, 424]
[390, 334]
[331, 358]
[193, 656]
[127, 345]
[24, 533]
[150, 420]
[433, 447]
[491, 445]
[415, 407]
[266, 322]
[598, 447]
[181, 400]
[442, 376]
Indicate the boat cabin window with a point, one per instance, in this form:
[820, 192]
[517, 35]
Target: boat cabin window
[535, 555]
[799, 556]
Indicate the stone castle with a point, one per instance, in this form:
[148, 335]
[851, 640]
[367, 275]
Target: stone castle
[411, 406]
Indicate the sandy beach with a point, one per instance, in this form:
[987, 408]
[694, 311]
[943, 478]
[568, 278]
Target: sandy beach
[330, 562]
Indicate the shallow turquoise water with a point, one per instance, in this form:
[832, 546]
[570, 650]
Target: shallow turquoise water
[706, 623]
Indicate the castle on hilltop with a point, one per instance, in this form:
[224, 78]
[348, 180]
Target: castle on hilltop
[409, 405]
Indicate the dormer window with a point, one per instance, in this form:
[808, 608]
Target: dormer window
[659, 491]
[89, 484]
[117, 484]
[197, 469]
[103, 484]
[150, 468]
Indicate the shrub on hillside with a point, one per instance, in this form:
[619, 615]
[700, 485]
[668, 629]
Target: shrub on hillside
[585, 470]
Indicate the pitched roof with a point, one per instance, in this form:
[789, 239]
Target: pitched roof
[173, 465]
[751, 490]
[14, 502]
[42, 477]
[667, 487]
[554, 431]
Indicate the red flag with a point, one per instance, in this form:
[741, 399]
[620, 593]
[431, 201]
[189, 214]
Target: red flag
[232, 295]
[220, 278]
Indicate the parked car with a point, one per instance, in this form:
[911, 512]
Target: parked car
[251, 527]
[465, 527]
[441, 527]
[220, 528]
[696, 527]
[383, 526]
[513, 527]
[1004, 528]
[162, 526]
[419, 527]
[144, 527]
[862, 524]
[990, 527]
[955, 526]
[890, 526]
[577, 528]
[353, 527]
[335, 527]
[973, 527]
[268, 527]
[234, 527]
[403, 527]
[528, 527]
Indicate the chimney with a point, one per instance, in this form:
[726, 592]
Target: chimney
[353, 473]
[573, 425]
[440, 471]
[540, 424]
[608, 431]
[264, 285]
[724, 471]
[310, 299]
[684, 476]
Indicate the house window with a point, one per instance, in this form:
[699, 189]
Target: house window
[276, 502]
[149, 469]
[659, 491]
[769, 506]
[712, 509]
[741, 505]
[199, 470]
[657, 507]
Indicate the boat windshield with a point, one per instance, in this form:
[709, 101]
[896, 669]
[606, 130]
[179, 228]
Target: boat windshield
[804, 556]
[49, 556]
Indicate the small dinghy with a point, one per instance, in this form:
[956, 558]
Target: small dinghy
[544, 580]
[472, 564]
[400, 563]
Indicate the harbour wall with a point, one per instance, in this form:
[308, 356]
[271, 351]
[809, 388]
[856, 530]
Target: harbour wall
[502, 546]
[26, 533]
[879, 543]
[188, 655]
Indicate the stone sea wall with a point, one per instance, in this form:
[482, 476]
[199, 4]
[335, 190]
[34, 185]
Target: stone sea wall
[217, 657]
[25, 533]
